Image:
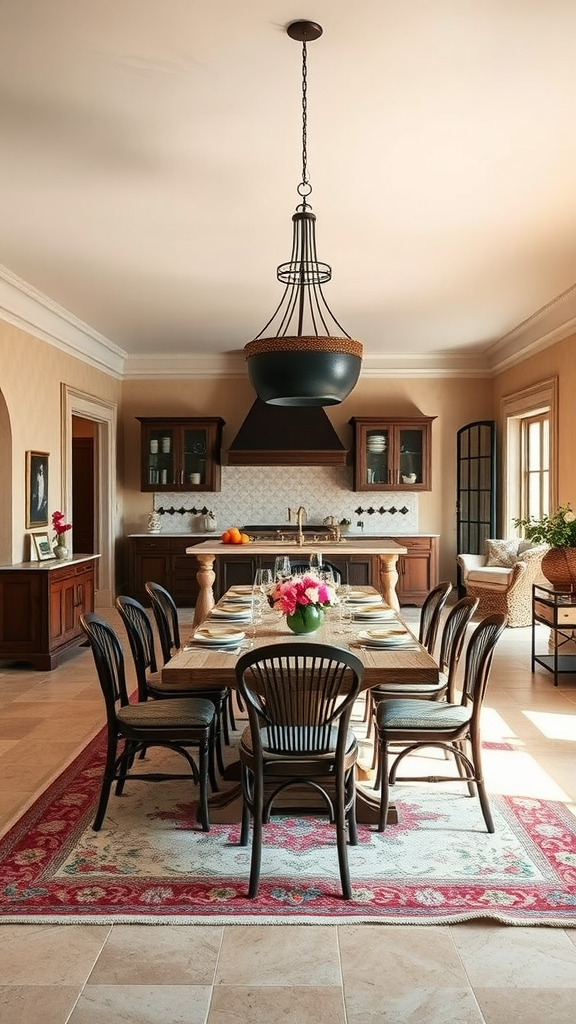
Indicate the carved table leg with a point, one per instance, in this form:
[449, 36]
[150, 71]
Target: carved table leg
[205, 577]
[389, 579]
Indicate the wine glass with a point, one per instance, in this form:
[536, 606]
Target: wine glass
[316, 562]
[263, 580]
[282, 567]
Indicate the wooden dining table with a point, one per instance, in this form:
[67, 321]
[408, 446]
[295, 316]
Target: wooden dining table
[202, 667]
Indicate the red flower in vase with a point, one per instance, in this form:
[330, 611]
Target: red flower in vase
[60, 527]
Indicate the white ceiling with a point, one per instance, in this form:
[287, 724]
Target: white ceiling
[150, 153]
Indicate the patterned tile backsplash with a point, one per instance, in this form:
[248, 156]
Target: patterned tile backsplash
[263, 494]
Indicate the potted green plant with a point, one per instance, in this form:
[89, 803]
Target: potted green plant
[559, 532]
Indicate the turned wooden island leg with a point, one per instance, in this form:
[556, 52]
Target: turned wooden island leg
[389, 579]
[205, 577]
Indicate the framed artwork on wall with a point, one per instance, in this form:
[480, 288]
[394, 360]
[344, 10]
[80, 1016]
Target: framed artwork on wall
[36, 489]
[43, 546]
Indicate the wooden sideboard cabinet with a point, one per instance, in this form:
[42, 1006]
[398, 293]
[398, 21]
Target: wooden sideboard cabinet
[40, 608]
[157, 559]
[417, 570]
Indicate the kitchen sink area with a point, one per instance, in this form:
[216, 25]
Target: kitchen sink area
[286, 534]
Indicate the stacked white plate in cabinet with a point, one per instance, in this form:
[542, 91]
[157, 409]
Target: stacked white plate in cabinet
[376, 443]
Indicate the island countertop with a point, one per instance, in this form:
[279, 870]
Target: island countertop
[350, 545]
[386, 549]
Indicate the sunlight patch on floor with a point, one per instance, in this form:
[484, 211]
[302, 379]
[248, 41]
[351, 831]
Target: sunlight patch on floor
[553, 725]
[517, 773]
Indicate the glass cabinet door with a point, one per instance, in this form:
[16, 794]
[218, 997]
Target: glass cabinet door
[410, 454]
[377, 455]
[161, 457]
[195, 446]
[392, 455]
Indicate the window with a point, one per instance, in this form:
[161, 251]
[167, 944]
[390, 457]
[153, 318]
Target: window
[529, 478]
[535, 465]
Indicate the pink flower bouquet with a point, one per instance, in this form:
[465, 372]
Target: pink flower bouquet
[299, 591]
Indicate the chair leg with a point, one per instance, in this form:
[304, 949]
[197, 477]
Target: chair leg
[203, 761]
[482, 794]
[342, 838]
[351, 804]
[211, 748]
[245, 822]
[220, 720]
[384, 785]
[255, 862]
[224, 718]
[107, 781]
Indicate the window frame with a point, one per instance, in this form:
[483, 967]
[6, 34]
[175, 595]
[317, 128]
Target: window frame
[516, 409]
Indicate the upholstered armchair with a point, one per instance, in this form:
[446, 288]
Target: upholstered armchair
[502, 578]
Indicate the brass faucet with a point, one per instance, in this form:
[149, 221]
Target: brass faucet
[301, 511]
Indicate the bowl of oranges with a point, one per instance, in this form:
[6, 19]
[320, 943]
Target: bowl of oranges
[234, 536]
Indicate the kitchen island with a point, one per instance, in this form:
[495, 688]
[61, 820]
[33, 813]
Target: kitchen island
[207, 551]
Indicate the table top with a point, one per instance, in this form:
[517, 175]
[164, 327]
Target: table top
[203, 667]
[346, 546]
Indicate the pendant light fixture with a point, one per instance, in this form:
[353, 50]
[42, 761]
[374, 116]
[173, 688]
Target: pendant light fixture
[303, 356]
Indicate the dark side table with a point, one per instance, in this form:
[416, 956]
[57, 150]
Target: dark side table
[557, 610]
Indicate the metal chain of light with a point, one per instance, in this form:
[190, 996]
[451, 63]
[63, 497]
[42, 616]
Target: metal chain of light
[304, 188]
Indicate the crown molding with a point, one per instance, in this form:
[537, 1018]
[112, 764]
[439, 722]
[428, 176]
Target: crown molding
[550, 324]
[23, 306]
[31, 311]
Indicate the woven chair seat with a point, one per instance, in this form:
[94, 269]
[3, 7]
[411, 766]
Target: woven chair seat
[421, 714]
[162, 714]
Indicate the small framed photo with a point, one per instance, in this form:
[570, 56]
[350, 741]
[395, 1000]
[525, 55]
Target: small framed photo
[43, 546]
[36, 489]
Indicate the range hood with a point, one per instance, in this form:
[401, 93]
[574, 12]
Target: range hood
[274, 435]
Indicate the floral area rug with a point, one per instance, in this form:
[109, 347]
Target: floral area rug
[151, 864]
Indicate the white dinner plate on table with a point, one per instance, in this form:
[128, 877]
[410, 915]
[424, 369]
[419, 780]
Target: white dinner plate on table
[239, 599]
[360, 597]
[379, 612]
[230, 611]
[385, 637]
[220, 636]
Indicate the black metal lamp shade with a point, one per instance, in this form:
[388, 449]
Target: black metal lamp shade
[303, 370]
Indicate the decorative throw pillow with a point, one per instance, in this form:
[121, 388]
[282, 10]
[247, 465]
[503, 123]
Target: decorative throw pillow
[525, 545]
[502, 552]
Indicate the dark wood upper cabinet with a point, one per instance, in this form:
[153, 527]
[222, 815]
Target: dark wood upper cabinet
[180, 454]
[394, 454]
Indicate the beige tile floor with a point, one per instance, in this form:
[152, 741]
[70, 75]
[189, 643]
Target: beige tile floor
[462, 974]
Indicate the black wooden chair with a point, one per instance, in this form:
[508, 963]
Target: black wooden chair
[165, 613]
[430, 616]
[180, 725]
[299, 700]
[451, 647]
[141, 640]
[453, 727]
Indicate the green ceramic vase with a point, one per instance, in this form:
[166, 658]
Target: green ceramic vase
[306, 619]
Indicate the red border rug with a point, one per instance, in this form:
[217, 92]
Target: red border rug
[151, 864]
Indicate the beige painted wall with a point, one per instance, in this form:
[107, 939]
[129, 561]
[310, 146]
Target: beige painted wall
[30, 378]
[453, 402]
